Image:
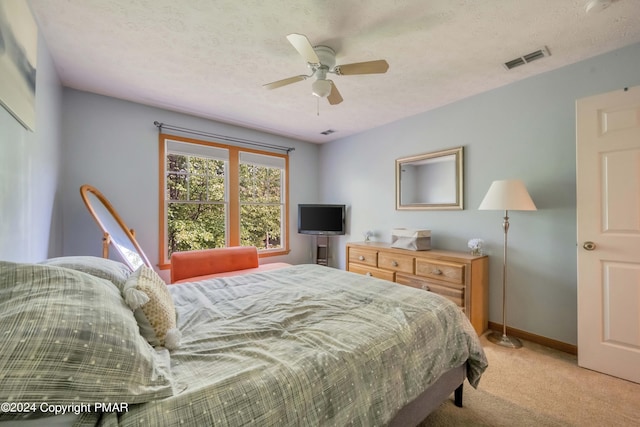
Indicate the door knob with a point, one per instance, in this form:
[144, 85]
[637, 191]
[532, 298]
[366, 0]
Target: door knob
[589, 246]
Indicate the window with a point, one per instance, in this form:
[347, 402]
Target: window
[261, 202]
[215, 195]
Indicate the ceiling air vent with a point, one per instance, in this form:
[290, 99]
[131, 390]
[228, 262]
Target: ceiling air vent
[525, 59]
[328, 132]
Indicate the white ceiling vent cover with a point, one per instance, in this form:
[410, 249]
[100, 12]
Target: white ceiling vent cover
[525, 59]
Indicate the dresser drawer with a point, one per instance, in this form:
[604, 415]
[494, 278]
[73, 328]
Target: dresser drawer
[454, 293]
[363, 256]
[440, 270]
[396, 262]
[372, 271]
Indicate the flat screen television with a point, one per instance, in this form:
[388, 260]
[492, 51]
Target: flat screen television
[321, 219]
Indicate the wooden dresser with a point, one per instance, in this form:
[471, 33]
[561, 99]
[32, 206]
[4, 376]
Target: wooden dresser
[461, 277]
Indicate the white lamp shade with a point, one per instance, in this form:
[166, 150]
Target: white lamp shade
[321, 88]
[507, 195]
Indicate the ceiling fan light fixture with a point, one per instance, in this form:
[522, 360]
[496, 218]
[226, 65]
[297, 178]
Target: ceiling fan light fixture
[321, 60]
[321, 88]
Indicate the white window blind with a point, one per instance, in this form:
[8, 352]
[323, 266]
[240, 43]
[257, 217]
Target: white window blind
[197, 150]
[262, 160]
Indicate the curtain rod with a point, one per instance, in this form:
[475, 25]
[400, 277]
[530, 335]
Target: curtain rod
[160, 126]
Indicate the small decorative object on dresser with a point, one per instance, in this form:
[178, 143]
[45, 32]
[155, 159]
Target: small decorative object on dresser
[412, 239]
[458, 276]
[476, 246]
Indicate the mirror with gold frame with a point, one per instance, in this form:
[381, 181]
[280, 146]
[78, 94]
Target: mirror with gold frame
[430, 181]
[114, 230]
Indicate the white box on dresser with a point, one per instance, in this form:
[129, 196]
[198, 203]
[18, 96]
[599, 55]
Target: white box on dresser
[458, 276]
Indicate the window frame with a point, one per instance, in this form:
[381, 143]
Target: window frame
[232, 185]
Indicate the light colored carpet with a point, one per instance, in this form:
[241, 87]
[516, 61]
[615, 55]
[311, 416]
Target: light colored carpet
[538, 386]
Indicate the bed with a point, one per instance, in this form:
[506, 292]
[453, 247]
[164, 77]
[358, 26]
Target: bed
[301, 345]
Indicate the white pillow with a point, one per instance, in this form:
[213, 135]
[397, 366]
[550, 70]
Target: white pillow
[105, 268]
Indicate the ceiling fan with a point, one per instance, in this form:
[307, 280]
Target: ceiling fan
[322, 60]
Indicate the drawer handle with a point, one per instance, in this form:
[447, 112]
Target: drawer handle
[369, 274]
[437, 271]
[394, 263]
[361, 258]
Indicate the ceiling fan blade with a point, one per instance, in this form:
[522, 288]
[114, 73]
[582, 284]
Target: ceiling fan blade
[301, 43]
[334, 96]
[370, 67]
[284, 82]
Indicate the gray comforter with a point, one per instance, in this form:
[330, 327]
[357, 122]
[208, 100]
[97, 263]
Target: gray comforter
[305, 345]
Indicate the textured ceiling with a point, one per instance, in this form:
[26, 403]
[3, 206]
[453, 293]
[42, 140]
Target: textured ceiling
[210, 58]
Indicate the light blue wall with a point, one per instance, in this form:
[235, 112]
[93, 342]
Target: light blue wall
[525, 130]
[29, 173]
[113, 145]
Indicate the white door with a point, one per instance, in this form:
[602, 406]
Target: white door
[608, 206]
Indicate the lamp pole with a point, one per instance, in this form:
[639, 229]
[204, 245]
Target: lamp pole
[495, 337]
